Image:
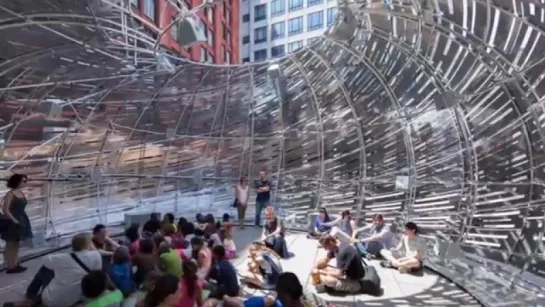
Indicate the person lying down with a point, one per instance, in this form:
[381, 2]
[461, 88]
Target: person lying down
[264, 267]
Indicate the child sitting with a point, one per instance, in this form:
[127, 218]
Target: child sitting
[229, 244]
[94, 288]
[148, 285]
[121, 271]
[169, 260]
[227, 224]
[192, 286]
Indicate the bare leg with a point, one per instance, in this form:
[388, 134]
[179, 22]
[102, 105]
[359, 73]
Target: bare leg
[407, 263]
[388, 256]
[11, 254]
[253, 279]
[233, 301]
[328, 281]
[211, 302]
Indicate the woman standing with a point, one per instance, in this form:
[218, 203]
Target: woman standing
[17, 224]
[242, 195]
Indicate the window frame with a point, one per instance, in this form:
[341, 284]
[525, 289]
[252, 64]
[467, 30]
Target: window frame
[260, 50]
[332, 11]
[299, 43]
[311, 16]
[294, 6]
[246, 18]
[147, 5]
[281, 35]
[301, 25]
[246, 39]
[274, 7]
[311, 3]
[260, 30]
[280, 54]
[260, 17]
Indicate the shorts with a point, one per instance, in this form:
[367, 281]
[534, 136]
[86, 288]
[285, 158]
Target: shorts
[348, 286]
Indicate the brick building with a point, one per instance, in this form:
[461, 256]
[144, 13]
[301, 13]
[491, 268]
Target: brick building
[222, 24]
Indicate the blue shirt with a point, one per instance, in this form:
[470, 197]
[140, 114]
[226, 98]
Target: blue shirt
[121, 277]
[225, 275]
[319, 224]
[259, 301]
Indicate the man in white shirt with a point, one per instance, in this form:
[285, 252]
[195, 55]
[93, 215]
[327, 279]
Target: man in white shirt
[410, 252]
[379, 237]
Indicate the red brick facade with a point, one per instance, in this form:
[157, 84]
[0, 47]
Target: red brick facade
[224, 29]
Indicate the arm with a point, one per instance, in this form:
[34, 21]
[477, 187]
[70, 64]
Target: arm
[7, 206]
[198, 293]
[379, 236]
[334, 222]
[265, 188]
[322, 263]
[114, 245]
[278, 230]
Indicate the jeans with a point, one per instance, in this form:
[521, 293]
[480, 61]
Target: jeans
[43, 277]
[372, 248]
[259, 206]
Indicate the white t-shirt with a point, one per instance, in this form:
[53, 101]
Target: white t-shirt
[65, 288]
[410, 247]
[242, 194]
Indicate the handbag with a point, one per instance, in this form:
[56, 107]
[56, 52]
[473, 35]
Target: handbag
[235, 203]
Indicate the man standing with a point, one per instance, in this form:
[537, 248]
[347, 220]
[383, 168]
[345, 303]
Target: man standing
[263, 189]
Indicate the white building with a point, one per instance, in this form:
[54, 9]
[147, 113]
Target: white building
[271, 28]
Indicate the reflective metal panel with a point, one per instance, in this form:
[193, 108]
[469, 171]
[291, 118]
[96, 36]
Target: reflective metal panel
[429, 111]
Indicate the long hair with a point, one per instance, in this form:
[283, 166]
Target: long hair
[190, 277]
[15, 181]
[165, 286]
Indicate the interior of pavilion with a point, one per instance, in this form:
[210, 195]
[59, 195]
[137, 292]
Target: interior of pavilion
[396, 161]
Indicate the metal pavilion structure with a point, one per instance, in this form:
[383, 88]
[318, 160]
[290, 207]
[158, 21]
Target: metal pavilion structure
[421, 110]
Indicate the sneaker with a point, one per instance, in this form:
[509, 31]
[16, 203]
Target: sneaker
[16, 270]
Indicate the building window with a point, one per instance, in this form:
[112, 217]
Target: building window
[260, 12]
[227, 15]
[210, 37]
[204, 54]
[314, 2]
[294, 46]
[246, 39]
[245, 17]
[331, 15]
[278, 51]
[295, 25]
[313, 40]
[278, 7]
[316, 20]
[228, 58]
[210, 58]
[260, 35]
[149, 9]
[260, 55]
[174, 30]
[295, 5]
[245, 60]
[278, 30]
[134, 2]
[209, 12]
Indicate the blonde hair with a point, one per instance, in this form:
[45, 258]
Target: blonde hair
[269, 212]
[81, 241]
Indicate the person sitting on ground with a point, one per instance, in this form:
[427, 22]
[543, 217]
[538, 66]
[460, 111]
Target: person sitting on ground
[147, 286]
[346, 276]
[289, 293]
[58, 281]
[188, 232]
[224, 274]
[227, 224]
[144, 260]
[166, 293]
[264, 267]
[202, 254]
[120, 272]
[152, 226]
[169, 232]
[133, 236]
[344, 227]
[200, 222]
[102, 242]
[409, 254]
[169, 260]
[273, 233]
[94, 287]
[228, 243]
[168, 219]
[322, 225]
[192, 286]
[181, 221]
[379, 237]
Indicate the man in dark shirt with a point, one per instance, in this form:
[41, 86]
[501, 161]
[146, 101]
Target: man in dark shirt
[349, 271]
[263, 189]
[224, 274]
[153, 225]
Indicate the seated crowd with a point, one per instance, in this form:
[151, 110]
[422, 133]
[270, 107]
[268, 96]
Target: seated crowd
[161, 263]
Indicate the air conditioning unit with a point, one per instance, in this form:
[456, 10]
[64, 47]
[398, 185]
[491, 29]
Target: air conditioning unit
[190, 31]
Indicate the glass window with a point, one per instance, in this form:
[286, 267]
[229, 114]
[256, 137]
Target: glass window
[295, 5]
[316, 20]
[210, 38]
[134, 2]
[331, 15]
[204, 54]
[174, 30]
[245, 17]
[245, 60]
[246, 39]
[149, 9]
[227, 15]
[260, 35]
[278, 7]
[228, 59]
[260, 55]
[278, 51]
[260, 12]
[278, 30]
[210, 58]
[209, 12]
[295, 25]
[294, 46]
[314, 2]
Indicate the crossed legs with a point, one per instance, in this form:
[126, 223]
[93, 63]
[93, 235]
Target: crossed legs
[402, 263]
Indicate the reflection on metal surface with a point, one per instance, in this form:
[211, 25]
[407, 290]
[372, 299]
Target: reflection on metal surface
[446, 95]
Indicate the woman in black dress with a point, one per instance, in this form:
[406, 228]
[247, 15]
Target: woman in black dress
[16, 224]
